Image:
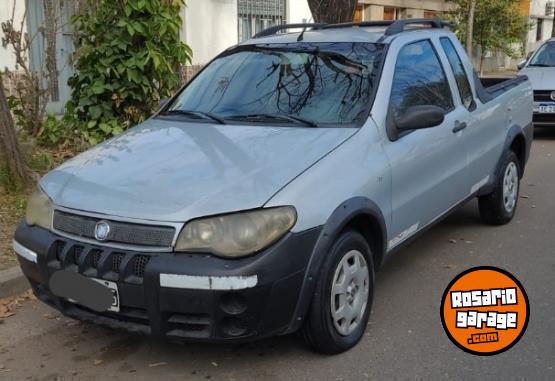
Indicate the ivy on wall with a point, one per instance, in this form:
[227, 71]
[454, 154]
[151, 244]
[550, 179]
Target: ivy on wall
[128, 57]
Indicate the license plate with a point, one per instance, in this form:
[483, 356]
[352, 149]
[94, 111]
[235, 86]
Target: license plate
[547, 109]
[115, 293]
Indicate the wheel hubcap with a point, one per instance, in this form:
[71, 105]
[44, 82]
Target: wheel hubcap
[349, 294]
[510, 187]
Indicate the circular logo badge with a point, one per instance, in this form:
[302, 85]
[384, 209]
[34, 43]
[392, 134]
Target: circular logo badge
[553, 96]
[485, 311]
[101, 231]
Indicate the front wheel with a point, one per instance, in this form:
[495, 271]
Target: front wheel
[341, 304]
[499, 207]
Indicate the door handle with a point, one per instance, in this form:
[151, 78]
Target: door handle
[459, 126]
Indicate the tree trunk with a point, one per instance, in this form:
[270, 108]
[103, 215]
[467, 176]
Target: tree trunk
[470, 27]
[553, 31]
[333, 11]
[9, 148]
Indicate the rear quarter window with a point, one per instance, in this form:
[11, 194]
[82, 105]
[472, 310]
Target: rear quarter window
[461, 78]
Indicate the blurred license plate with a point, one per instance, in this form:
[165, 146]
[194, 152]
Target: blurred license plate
[547, 109]
[115, 294]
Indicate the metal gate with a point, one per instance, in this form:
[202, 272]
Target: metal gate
[257, 15]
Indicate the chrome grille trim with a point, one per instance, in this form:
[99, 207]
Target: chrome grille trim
[124, 234]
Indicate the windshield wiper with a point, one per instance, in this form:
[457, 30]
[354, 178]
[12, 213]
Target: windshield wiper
[201, 114]
[289, 118]
[541, 65]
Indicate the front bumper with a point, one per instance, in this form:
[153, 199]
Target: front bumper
[544, 120]
[176, 295]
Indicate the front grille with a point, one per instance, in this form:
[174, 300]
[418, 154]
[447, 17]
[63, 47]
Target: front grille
[543, 95]
[120, 232]
[139, 265]
[544, 119]
[99, 262]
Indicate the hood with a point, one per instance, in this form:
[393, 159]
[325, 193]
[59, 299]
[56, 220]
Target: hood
[542, 78]
[174, 171]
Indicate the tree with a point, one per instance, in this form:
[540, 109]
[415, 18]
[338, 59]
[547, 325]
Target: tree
[333, 11]
[9, 148]
[553, 31]
[498, 26]
[470, 28]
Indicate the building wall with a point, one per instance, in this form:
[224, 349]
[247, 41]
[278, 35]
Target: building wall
[537, 13]
[210, 26]
[374, 9]
[298, 12]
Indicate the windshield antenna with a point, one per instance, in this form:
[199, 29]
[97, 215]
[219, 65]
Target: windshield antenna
[301, 36]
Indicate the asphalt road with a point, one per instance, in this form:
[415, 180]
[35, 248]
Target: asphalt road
[404, 340]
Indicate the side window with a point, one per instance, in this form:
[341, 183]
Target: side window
[460, 73]
[419, 79]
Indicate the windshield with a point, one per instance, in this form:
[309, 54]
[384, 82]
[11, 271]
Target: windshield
[545, 56]
[309, 83]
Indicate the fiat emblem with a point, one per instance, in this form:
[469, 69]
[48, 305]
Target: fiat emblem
[101, 231]
[553, 96]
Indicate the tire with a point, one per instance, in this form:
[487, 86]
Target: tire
[354, 291]
[499, 207]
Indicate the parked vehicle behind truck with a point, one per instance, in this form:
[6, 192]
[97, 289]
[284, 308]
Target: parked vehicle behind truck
[540, 68]
[262, 199]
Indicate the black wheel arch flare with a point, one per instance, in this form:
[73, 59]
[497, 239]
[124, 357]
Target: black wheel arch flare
[349, 214]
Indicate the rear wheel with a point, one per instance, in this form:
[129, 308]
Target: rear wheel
[499, 207]
[341, 304]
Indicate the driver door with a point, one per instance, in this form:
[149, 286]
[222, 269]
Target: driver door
[429, 166]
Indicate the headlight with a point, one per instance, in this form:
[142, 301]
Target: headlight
[39, 210]
[237, 235]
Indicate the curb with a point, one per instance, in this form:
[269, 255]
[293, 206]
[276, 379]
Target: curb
[12, 282]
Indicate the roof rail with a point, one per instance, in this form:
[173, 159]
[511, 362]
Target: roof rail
[400, 25]
[393, 27]
[277, 28]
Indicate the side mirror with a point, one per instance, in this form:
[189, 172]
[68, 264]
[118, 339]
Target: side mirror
[521, 64]
[420, 117]
[164, 102]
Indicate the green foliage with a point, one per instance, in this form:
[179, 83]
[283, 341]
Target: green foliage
[498, 25]
[128, 58]
[53, 131]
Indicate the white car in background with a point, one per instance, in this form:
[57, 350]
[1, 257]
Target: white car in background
[540, 68]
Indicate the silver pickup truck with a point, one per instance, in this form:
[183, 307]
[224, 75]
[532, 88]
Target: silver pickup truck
[262, 199]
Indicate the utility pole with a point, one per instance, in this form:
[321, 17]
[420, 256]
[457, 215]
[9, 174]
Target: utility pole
[470, 27]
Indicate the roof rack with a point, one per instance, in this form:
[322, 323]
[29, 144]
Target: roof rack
[400, 25]
[277, 28]
[393, 27]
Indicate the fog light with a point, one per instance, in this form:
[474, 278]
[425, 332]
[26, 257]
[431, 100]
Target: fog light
[234, 327]
[233, 303]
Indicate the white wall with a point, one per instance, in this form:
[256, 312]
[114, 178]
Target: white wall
[298, 12]
[537, 10]
[210, 27]
[6, 56]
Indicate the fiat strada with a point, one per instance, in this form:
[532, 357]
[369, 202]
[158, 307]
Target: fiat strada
[264, 196]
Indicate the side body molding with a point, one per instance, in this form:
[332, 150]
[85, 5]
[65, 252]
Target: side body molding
[340, 218]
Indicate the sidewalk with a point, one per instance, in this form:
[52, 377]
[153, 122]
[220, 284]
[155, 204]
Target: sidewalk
[12, 282]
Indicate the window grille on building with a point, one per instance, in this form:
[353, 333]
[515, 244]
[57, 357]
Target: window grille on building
[257, 15]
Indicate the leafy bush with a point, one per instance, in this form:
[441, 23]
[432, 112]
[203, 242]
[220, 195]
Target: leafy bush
[128, 58]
